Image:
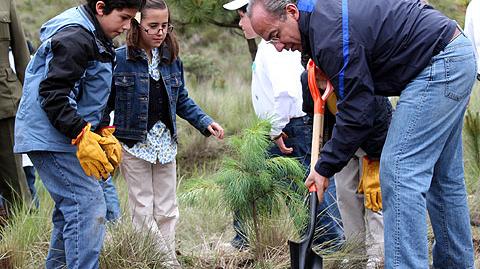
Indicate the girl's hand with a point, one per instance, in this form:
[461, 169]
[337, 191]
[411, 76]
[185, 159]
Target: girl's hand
[216, 130]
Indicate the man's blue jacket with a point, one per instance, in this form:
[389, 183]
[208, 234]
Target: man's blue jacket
[367, 48]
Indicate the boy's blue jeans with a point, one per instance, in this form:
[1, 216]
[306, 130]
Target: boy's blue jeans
[421, 167]
[111, 200]
[79, 212]
[30, 175]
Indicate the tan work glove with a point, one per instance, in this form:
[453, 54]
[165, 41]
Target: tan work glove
[91, 156]
[370, 184]
[111, 146]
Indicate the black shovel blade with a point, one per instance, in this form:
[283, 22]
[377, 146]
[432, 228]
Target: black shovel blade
[316, 261]
[301, 254]
[303, 257]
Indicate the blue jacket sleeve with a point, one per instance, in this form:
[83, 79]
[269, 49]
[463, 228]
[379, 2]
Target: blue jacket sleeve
[356, 105]
[105, 121]
[72, 48]
[188, 110]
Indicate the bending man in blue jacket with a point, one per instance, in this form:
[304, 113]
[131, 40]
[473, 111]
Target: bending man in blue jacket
[391, 47]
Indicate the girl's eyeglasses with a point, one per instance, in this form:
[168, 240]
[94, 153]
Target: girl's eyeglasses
[156, 30]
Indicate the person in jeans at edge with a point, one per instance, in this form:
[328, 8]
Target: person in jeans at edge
[148, 92]
[277, 96]
[66, 88]
[358, 183]
[389, 48]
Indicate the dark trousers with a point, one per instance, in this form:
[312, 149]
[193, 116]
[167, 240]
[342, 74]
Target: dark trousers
[13, 184]
[30, 174]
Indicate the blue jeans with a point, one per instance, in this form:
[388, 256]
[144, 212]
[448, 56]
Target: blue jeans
[422, 165]
[30, 175]
[329, 223]
[111, 200]
[79, 212]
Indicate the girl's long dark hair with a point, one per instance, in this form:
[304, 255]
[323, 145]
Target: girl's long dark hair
[133, 35]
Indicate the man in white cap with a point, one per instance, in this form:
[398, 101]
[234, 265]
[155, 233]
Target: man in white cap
[277, 96]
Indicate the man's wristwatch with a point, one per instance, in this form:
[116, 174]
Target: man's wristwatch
[478, 77]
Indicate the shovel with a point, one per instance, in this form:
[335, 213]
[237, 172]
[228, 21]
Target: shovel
[301, 254]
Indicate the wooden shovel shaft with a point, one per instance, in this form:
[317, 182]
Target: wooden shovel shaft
[319, 111]
[317, 138]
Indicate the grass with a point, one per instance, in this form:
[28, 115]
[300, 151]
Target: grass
[25, 240]
[125, 247]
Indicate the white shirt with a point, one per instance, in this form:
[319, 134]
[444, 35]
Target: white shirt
[472, 27]
[276, 86]
[25, 160]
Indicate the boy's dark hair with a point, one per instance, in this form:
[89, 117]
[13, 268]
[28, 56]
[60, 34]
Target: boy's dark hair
[110, 5]
[133, 35]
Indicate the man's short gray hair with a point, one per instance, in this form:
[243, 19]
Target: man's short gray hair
[274, 7]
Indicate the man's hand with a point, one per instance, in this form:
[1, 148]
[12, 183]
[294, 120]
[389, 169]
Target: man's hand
[216, 130]
[281, 144]
[320, 182]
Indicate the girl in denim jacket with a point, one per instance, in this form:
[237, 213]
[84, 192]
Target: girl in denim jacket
[148, 91]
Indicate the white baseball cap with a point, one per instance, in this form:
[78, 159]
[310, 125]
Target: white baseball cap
[235, 4]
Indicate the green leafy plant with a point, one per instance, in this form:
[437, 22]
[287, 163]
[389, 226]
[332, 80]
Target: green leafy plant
[255, 185]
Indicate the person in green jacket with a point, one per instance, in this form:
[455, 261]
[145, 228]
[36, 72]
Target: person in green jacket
[13, 185]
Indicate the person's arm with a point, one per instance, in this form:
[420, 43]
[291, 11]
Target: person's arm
[18, 43]
[356, 107]
[476, 35]
[472, 29]
[108, 109]
[283, 70]
[307, 104]
[188, 110]
[71, 50]
[355, 113]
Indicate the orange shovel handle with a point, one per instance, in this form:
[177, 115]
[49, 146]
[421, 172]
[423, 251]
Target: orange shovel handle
[318, 112]
[314, 90]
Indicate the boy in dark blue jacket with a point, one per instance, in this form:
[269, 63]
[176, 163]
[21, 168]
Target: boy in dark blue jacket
[66, 88]
[392, 47]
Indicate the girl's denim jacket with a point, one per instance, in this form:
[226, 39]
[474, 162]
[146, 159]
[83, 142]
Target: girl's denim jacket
[130, 95]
